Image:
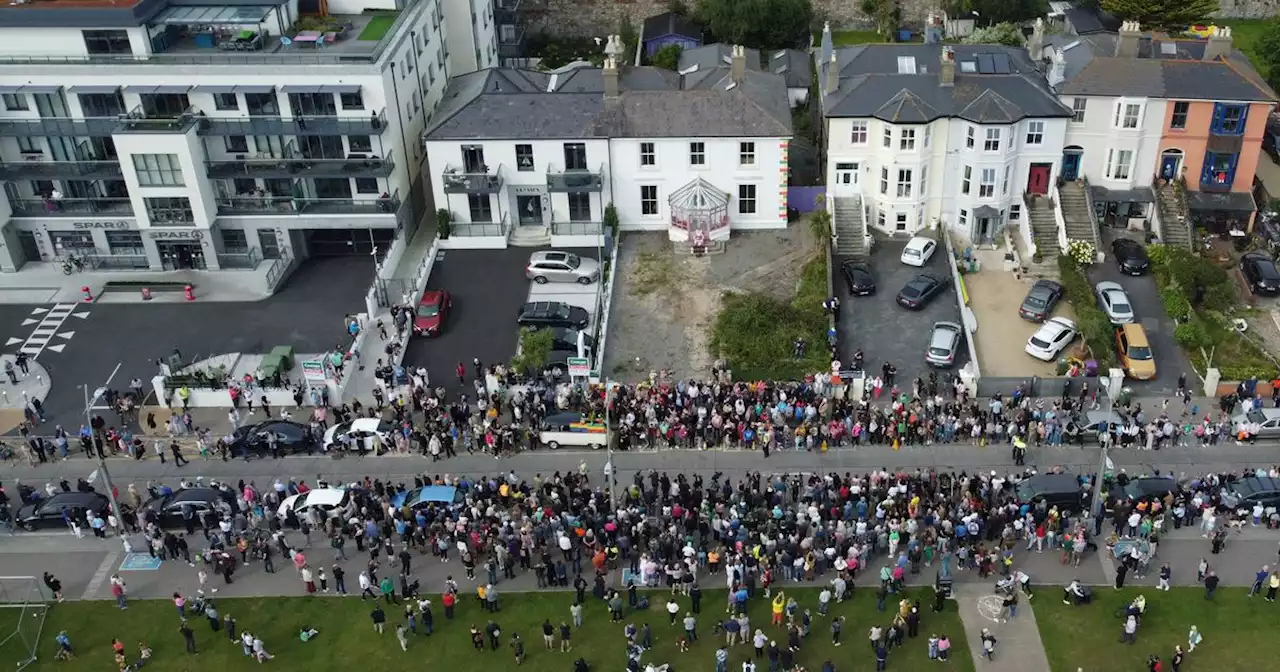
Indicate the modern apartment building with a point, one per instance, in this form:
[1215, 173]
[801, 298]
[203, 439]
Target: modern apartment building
[176, 134]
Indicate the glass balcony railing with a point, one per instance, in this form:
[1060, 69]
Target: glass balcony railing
[36, 169]
[141, 121]
[576, 228]
[284, 205]
[242, 260]
[70, 207]
[576, 180]
[373, 124]
[459, 180]
[478, 229]
[355, 165]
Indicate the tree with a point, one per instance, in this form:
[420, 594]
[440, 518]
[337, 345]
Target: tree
[758, 24]
[534, 350]
[1161, 13]
[667, 58]
[820, 228]
[1008, 34]
[1268, 50]
[630, 38]
[885, 13]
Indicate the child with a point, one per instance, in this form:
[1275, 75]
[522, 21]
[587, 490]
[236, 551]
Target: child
[933, 647]
[324, 579]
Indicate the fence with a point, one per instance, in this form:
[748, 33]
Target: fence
[602, 320]
[24, 605]
[1034, 386]
[806, 199]
[962, 296]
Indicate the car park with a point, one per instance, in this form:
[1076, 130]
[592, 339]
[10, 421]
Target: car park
[48, 512]
[1061, 490]
[858, 277]
[1131, 256]
[1268, 420]
[432, 313]
[358, 434]
[169, 508]
[1261, 273]
[1113, 301]
[331, 501]
[553, 266]
[1135, 353]
[921, 290]
[918, 251]
[553, 314]
[256, 439]
[1040, 300]
[1051, 338]
[944, 343]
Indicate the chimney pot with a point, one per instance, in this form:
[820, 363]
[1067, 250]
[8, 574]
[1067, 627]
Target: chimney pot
[1127, 39]
[610, 73]
[833, 74]
[947, 69]
[1218, 44]
[738, 64]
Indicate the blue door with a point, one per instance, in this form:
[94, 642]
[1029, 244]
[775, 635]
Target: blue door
[1070, 165]
[1169, 166]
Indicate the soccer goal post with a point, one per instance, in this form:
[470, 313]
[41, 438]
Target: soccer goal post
[23, 607]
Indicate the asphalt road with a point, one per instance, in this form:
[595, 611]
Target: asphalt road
[887, 332]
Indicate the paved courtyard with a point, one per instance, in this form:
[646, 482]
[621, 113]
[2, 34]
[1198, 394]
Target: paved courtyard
[995, 296]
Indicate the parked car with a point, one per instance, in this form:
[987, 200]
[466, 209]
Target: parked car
[1259, 269]
[291, 437]
[858, 277]
[553, 314]
[1051, 338]
[432, 313]
[48, 512]
[1245, 492]
[1131, 256]
[1267, 418]
[352, 435]
[553, 266]
[557, 365]
[918, 251]
[1038, 305]
[1135, 352]
[567, 339]
[1149, 486]
[920, 290]
[169, 507]
[1113, 301]
[329, 500]
[944, 343]
[1061, 490]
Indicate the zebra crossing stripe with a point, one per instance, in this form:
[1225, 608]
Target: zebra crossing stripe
[51, 319]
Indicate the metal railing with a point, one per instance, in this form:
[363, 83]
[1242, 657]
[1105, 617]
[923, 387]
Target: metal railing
[117, 262]
[293, 164]
[576, 228]
[70, 207]
[373, 124]
[578, 180]
[288, 205]
[138, 121]
[279, 269]
[477, 229]
[247, 260]
[458, 180]
[33, 169]
[516, 39]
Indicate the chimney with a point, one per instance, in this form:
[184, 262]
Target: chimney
[1035, 41]
[1057, 67]
[610, 78]
[1219, 43]
[1127, 39]
[738, 64]
[947, 70]
[833, 75]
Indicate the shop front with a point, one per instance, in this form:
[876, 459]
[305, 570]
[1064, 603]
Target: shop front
[183, 250]
[107, 245]
[1222, 213]
[1123, 208]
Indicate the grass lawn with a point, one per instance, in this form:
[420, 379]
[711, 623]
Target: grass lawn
[377, 27]
[346, 638]
[1245, 34]
[1238, 632]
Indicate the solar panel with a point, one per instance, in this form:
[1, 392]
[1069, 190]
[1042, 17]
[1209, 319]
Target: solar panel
[1001, 62]
[985, 66]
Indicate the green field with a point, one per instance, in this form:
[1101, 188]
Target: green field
[1245, 34]
[377, 28]
[346, 637]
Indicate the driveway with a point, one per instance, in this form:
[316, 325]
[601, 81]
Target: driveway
[887, 332]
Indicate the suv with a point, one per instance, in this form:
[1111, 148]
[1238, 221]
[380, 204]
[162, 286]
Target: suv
[1060, 490]
[555, 266]
[1135, 352]
[553, 314]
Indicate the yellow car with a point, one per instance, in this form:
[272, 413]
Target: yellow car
[1135, 352]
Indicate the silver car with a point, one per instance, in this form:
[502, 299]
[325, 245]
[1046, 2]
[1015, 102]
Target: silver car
[944, 342]
[555, 266]
[1114, 302]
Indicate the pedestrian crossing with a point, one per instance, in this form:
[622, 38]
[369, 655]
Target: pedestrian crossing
[48, 322]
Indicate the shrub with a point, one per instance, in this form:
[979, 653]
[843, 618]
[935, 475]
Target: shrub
[444, 223]
[668, 57]
[1095, 328]
[611, 221]
[1192, 334]
[1082, 252]
[1175, 304]
[755, 332]
[535, 348]
[1158, 253]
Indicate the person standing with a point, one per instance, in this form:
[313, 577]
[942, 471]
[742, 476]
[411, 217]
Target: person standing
[1273, 584]
[836, 625]
[1258, 579]
[188, 636]
[1210, 584]
[1165, 573]
[379, 617]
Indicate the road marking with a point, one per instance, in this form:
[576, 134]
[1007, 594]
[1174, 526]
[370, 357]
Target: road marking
[100, 576]
[39, 339]
[29, 321]
[12, 340]
[58, 348]
[82, 315]
[66, 334]
[39, 311]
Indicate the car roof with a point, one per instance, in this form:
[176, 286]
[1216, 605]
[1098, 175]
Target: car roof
[73, 498]
[1252, 484]
[366, 424]
[850, 264]
[1128, 243]
[195, 495]
[1045, 283]
[1136, 334]
[1044, 483]
[1108, 286]
[549, 255]
[330, 496]
[1265, 413]
[1150, 485]
[918, 242]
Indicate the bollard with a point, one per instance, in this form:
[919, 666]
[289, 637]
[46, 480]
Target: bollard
[88, 293]
[190, 292]
[146, 294]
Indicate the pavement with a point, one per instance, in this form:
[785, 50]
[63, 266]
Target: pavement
[995, 295]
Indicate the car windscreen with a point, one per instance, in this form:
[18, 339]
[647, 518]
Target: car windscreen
[428, 310]
[912, 291]
[573, 261]
[1139, 352]
[1039, 342]
[1036, 300]
[1025, 491]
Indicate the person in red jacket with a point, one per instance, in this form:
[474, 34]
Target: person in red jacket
[448, 600]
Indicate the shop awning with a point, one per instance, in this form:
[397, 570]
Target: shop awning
[93, 89]
[1234, 201]
[1105, 195]
[303, 88]
[250, 15]
[215, 88]
[342, 88]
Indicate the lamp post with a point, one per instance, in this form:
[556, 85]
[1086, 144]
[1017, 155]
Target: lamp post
[609, 469]
[102, 463]
[1104, 438]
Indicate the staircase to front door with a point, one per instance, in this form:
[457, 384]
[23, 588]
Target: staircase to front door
[1076, 213]
[850, 226]
[1175, 220]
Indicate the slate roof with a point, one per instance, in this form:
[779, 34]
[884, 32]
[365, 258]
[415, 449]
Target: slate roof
[509, 103]
[670, 23]
[794, 66]
[872, 85]
[1089, 20]
[1166, 68]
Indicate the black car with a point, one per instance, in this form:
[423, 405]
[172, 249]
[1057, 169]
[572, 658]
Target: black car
[1040, 300]
[858, 277]
[48, 512]
[169, 507]
[1061, 490]
[1149, 486]
[1246, 492]
[1260, 271]
[291, 437]
[920, 291]
[567, 339]
[553, 314]
[1131, 256]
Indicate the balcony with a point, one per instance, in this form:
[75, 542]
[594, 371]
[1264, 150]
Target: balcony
[138, 121]
[35, 168]
[510, 40]
[481, 229]
[575, 181]
[576, 228]
[241, 260]
[373, 124]
[284, 205]
[71, 207]
[355, 165]
[90, 127]
[458, 180]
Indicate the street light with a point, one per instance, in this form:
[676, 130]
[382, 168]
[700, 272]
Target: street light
[1104, 438]
[609, 469]
[102, 463]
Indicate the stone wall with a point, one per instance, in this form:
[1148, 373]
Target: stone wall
[1248, 9]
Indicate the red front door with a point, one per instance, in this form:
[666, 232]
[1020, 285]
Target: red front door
[1038, 178]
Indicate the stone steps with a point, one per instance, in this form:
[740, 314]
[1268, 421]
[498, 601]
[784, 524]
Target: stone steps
[849, 226]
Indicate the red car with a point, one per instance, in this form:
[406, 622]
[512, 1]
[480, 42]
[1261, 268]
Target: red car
[433, 310]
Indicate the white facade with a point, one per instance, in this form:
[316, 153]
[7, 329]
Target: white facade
[473, 43]
[912, 176]
[323, 148]
[1117, 139]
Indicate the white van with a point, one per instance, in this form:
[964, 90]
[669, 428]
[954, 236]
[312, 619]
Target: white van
[569, 429]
